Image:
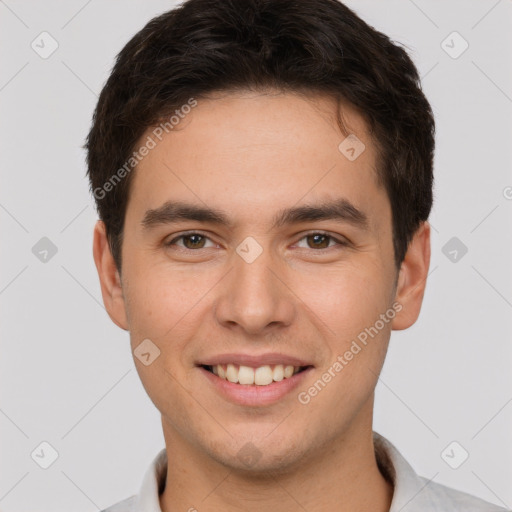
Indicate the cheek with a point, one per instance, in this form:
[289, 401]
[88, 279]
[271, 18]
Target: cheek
[165, 305]
[347, 300]
[156, 293]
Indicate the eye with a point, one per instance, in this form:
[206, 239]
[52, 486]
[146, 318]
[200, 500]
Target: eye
[320, 240]
[314, 240]
[190, 241]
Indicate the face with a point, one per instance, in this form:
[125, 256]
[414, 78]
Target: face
[252, 241]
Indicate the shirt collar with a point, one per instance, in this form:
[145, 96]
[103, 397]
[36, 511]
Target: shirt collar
[408, 486]
[152, 485]
[410, 491]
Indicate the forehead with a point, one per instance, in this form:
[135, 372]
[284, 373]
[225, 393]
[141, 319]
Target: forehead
[256, 151]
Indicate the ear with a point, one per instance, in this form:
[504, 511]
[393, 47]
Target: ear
[412, 278]
[110, 280]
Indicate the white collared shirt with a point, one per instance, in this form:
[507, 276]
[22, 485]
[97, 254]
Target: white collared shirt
[412, 493]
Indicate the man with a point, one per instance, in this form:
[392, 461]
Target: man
[263, 176]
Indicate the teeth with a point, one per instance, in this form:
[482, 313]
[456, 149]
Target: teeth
[261, 376]
[232, 373]
[288, 371]
[246, 375]
[278, 373]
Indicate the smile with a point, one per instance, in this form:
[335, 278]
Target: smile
[260, 376]
[254, 381]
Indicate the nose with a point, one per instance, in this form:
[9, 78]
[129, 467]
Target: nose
[256, 299]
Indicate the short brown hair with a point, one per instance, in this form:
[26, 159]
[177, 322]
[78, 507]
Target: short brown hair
[317, 46]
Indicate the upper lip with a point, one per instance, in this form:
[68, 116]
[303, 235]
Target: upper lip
[254, 361]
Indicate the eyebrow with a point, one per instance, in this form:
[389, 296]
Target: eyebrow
[175, 211]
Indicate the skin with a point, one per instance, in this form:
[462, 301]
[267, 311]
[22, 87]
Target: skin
[251, 155]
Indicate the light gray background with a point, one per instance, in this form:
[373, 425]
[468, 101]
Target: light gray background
[67, 375]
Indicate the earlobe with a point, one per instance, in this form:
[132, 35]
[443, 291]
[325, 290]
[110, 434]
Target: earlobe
[110, 281]
[412, 278]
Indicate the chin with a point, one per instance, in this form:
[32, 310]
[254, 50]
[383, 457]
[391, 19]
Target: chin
[259, 457]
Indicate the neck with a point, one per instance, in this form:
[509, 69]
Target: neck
[342, 476]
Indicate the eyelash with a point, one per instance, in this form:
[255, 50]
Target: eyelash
[339, 242]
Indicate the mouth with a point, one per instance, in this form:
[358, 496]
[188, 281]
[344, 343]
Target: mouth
[250, 376]
[254, 381]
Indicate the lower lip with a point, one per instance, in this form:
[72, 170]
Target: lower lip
[245, 394]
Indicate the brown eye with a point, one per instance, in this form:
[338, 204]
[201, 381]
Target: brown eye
[193, 241]
[318, 241]
[190, 241]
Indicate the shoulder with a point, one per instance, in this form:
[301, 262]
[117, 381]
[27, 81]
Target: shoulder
[415, 493]
[127, 505]
[447, 498]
